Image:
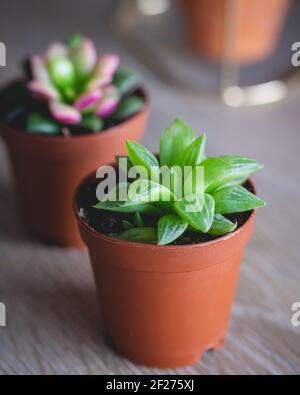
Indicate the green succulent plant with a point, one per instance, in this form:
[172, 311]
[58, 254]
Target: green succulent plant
[197, 196]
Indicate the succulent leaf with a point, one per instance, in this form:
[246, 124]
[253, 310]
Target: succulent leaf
[64, 113]
[198, 214]
[236, 199]
[138, 235]
[84, 57]
[126, 81]
[224, 169]
[75, 40]
[221, 226]
[138, 220]
[108, 103]
[128, 107]
[104, 71]
[194, 154]
[62, 71]
[174, 140]
[170, 227]
[39, 69]
[127, 225]
[43, 90]
[145, 191]
[108, 64]
[141, 156]
[55, 50]
[88, 99]
[128, 207]
[92, 122]
[38, 123]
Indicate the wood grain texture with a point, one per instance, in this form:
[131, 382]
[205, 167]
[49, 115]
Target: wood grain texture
[53, 322]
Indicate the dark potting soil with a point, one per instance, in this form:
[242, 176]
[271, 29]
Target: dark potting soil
[107, 222]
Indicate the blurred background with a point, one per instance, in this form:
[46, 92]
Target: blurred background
[214, 63]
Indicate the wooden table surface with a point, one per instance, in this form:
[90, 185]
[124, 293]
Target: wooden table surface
[53, 324]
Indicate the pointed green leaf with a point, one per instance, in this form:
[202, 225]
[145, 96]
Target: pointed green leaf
[199, 215]
[138, 220]
[83, 56]
[128, 207]
[145, 191]
[128, 107]
[231, 183]
[235, 200]
[127, 225]
[114, 201]
[138, 235]
[221, 226]
[194, 153]
[223, 169]
[174, 140]
[170, 227]
[75, 40]
[141, 156]
[126, 81]
[62, 71]
[92, 122]
[38, 123]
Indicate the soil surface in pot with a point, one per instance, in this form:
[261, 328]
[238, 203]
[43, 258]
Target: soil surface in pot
[107, 222]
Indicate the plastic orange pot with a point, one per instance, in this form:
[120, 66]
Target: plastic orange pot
[164, 306]
[47, 170]
[254, 27]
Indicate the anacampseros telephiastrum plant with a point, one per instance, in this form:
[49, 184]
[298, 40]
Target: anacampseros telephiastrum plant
[71, 90]
[200, 196]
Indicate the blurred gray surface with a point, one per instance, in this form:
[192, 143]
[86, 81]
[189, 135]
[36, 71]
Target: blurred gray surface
[53, 324]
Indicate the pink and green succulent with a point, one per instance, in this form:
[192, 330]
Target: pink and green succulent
[77, 88]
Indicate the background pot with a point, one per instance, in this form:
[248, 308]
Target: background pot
[47, 170]
[164, 306]
[255, 26]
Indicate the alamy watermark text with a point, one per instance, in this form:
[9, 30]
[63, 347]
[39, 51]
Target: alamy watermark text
[296, 55]
[2, 314]
[2, 54]
[296, 315]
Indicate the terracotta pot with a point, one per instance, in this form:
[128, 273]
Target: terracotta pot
[164, 306]
[47, 170]
[253, 27]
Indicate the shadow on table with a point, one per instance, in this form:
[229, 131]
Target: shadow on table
[61, 312]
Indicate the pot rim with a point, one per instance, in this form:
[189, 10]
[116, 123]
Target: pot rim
[134, 244]
[59, 139]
